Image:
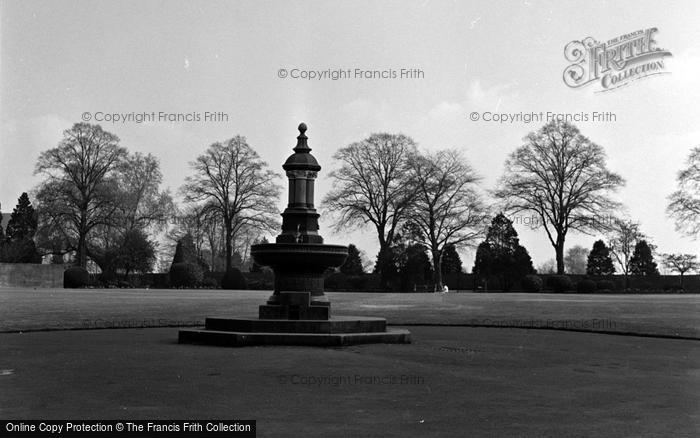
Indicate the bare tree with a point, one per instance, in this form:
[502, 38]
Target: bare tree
[681, 263]
[372, 186]
[684, 203]
[204, 224]
[192, 220]
[142, 204]
[447, 209]
[561, 176]
[576, 259]
[78, 193]
[141, 208]
[234, 182]
[547, 267]
[242, 245]
[623, 235]
[213, 231]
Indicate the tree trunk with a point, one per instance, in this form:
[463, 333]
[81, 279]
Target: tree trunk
[229, 244]
[384, 245]
[437, 270]
[82, 246]
[382, 264]
[559, 249]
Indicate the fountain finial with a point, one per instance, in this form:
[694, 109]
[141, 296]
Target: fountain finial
[302, 146]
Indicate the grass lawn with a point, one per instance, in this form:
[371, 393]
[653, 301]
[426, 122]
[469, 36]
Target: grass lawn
[665, 315]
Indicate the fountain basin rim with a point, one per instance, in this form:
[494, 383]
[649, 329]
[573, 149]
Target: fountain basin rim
[316, 248]
[299, 257]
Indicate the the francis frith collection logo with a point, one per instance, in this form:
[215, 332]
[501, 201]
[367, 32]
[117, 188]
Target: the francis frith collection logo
[616, 62]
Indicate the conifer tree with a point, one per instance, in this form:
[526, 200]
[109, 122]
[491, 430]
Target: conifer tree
[599, 260]
[642, 262]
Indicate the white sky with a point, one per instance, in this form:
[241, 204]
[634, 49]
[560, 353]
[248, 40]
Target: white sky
[62, 58]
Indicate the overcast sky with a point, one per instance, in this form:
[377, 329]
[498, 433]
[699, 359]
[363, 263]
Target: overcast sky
[60, 59]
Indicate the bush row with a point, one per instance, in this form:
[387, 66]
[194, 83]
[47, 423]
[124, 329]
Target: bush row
[190, 275]
[185, 275]
[181, 275]
[563, 283]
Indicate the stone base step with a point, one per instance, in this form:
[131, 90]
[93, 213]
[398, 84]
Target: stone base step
[337, 324]
[243, 339]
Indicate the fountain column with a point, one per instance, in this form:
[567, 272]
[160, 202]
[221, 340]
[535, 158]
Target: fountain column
[299, 258]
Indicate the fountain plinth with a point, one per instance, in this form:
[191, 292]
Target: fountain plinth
[298, 312]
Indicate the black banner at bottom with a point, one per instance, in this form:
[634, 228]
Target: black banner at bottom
[237, 428]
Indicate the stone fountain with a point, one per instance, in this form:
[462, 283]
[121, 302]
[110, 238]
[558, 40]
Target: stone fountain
[298, 312]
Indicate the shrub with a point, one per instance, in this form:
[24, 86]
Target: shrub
[107, 279]
[347, 283]
[160, 280]
[605, 285]
[560, 283]
[233, 279]
[210, 283]
[75, 277]
[586, 286]
[672, 288]
[358, 282]
[336, 281]
[261, 280]
[646, 285]
[532, 283]
[185, 275]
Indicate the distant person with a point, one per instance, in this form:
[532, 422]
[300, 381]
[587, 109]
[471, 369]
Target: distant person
[445, 289]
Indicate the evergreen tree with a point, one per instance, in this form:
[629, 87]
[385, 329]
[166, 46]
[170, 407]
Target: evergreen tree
[188, 267]
[642, 261]
[23, 221]
[501, 254]
[451, 262]
[599, 260]
[414, 267]
[2, 232]
[185, 251]
[501, 235]
[403, 264]
[18, 245]
[483, 262]
[522, 265]
[353, 264]
[136, 253]
[386, 265]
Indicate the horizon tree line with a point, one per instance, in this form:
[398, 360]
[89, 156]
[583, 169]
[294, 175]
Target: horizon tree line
[99, 202]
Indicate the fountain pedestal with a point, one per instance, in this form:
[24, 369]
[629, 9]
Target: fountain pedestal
[298, 312]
